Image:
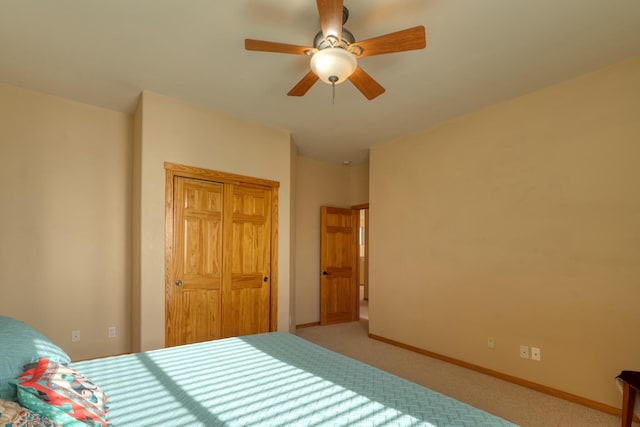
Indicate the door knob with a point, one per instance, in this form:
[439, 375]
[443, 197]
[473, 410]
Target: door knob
[325, 273]
[178, 282]
[265, 279]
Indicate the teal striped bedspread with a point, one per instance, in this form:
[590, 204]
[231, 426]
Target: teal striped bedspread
[272, 379]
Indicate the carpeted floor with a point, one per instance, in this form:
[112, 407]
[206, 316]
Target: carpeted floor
[517, 404]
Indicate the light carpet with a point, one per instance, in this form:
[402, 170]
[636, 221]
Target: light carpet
[512, 402]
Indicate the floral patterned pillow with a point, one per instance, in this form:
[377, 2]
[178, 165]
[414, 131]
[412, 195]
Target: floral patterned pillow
[14, 415]
[60, 393]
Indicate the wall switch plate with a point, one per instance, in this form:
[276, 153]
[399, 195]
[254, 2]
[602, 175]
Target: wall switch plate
[535, 353]
[491, 343]
[75, 336]
[111, 332]
[524, 351]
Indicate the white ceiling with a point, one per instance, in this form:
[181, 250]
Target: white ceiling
[479, 52]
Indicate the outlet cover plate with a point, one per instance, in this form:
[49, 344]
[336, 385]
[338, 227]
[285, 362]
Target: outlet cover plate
[535, 354]
[524, 351]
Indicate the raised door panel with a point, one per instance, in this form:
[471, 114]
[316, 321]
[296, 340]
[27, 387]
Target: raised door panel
[194, 295]
[201, 322]
[248, 261]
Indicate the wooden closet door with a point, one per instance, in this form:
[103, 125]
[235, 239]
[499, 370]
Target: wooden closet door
[194, 297]
[221, 257]
[247, 260]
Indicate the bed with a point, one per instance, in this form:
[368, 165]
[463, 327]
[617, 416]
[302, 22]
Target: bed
[272, 379]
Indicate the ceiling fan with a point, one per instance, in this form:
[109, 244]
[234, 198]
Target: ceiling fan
[335, 51]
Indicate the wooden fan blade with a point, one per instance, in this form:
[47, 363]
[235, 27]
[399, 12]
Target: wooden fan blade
[304, 85]
[400, 41]
[265, 46]
[330, 12]
[366, 84]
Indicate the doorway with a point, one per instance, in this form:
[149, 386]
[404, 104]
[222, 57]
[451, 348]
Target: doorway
[344, 264]
[363, 259]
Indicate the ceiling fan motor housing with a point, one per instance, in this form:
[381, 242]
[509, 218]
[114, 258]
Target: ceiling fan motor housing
[319, 41]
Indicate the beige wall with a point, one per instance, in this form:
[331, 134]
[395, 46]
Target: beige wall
[172, 131]
[317, 184]
[359, 183]
[136, 242]
[64, 222]
[292, 237]
[521, 222]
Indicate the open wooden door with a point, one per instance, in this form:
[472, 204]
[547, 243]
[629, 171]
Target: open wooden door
[339, 265]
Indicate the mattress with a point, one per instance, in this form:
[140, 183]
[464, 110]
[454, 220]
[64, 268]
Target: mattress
[272, 379]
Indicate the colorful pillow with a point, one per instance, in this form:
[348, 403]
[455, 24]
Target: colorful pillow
[57, 415]
[19, 345]
[61, 394]
[14, 415]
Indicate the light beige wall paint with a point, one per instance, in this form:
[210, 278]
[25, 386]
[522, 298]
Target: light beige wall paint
[136, 242]
[317, 184]
[175, 132]
[64, 222]
[520, 222]
[359, 183]
[292, 236]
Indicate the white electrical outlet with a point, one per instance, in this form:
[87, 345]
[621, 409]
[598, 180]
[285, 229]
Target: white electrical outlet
[535, 353]
[75, 336]
[524, 351]
[491, 343]
[111, 332]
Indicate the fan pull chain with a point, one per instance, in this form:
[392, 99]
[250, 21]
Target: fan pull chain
[333, 80]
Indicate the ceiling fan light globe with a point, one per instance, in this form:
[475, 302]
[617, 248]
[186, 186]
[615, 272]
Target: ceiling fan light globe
[331, 63]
